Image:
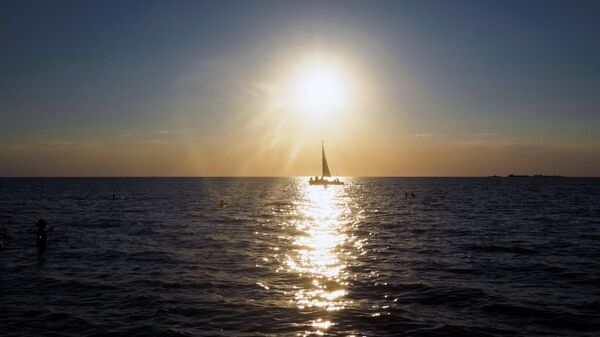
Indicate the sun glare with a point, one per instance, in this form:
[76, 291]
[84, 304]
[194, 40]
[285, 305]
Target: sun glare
[317, 90]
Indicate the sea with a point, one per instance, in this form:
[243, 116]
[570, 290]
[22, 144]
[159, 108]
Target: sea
[374, 257]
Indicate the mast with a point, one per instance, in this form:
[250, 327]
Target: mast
[326, 172]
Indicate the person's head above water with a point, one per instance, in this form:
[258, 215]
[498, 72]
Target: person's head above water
[41, 223]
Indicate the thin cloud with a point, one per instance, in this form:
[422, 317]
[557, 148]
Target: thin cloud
[58, 143]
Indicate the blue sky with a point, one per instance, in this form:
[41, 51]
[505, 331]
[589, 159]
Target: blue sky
[513, 73]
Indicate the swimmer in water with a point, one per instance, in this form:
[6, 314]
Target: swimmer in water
[222, 203]
[41, 237]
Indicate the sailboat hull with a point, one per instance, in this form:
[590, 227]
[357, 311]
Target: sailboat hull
[325, 182]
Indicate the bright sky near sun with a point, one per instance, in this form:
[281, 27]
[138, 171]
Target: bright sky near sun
[409, 88]
[317, 90]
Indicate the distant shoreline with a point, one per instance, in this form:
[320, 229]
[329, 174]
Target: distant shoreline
[529, 176]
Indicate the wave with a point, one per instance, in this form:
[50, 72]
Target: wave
[502, 249]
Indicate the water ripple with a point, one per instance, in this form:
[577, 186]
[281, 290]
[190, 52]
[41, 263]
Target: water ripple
[464, 257]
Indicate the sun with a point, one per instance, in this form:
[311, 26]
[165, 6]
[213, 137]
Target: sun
[317, 89]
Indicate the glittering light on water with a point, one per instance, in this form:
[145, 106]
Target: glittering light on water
[321, 253]
[321, 325]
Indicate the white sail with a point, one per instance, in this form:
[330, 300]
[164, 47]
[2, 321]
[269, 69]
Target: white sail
[326, 172]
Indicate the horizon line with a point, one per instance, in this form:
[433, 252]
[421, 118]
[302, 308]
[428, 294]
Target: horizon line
[257, 176]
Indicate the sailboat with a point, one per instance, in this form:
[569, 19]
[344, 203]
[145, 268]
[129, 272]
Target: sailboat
[326, 172]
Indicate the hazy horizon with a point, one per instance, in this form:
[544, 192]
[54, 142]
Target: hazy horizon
[298, 177]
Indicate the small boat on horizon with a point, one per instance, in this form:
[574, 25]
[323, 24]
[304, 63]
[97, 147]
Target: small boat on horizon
[326, 173]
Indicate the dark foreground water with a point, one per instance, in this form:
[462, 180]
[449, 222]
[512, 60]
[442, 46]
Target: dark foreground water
[465, 257]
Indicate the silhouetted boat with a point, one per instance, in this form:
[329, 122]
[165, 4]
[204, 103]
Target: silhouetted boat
[326, 173]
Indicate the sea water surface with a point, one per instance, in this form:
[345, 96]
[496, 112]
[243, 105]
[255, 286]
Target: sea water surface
[464, 257]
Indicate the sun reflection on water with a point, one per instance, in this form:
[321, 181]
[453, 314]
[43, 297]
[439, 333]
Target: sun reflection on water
[320, 253]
